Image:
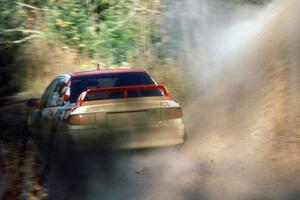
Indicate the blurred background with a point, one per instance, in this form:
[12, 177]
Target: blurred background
[41, 39]
[233, 64]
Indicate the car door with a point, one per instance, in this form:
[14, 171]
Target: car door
[46, 122]
[57, 103]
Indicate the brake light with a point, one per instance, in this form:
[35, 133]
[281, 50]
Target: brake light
[81, 119]
[171, 113]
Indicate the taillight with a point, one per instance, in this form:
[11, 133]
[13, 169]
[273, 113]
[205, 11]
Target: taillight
[171, 113]
[81, 119]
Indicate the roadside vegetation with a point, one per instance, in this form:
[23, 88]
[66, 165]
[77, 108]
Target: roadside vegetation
[42, 38]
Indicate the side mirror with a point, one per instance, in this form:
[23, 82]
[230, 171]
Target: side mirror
[34, 103]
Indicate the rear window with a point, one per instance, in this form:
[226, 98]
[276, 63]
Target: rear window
[80, 84]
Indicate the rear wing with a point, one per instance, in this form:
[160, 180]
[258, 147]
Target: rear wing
[124, 89]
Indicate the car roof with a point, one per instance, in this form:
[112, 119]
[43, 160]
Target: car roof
[111, 71]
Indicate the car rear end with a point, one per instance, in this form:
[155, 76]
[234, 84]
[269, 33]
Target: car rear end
[132, 116]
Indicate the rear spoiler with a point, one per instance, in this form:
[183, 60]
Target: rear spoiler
[124, 89]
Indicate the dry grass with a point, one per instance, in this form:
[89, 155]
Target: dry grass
[43, 59]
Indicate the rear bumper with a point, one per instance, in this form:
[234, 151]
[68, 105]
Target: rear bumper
[126, 137]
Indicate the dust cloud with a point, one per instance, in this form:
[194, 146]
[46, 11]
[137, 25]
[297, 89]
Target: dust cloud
[243, 122]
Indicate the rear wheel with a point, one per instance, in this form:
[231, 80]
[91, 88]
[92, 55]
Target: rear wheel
[65, 152]
[56, 152]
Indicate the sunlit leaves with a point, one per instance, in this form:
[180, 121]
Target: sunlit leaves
[105, 29]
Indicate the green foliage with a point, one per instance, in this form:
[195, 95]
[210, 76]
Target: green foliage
[69, 20]
[7, 20]
[108, 31]
[105, 31]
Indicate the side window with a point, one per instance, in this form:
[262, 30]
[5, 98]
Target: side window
[47, 93]
[57, 96]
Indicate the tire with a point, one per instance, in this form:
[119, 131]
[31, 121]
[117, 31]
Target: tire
[65, 154]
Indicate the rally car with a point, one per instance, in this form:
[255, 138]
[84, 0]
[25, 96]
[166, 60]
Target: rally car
[107, 108]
